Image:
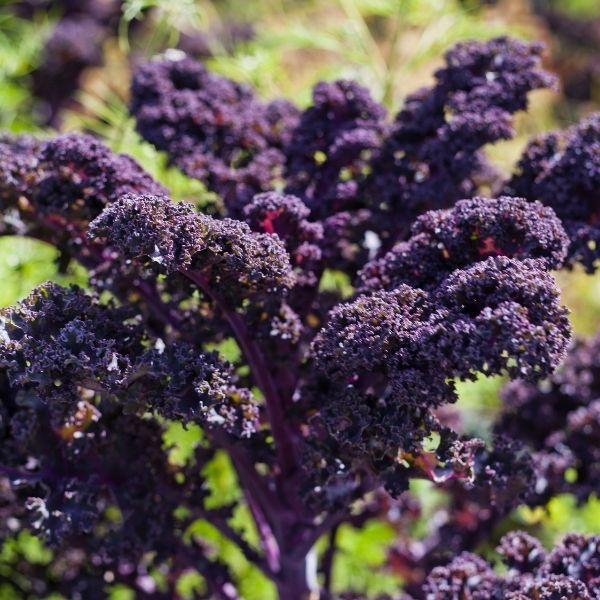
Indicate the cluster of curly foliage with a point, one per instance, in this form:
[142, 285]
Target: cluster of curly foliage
[481, 303]
[473, 230]
[288, 217]
[570, 571]
[77, 40]
[77, 445]
[213, 128]
[330, 148]
[562, 170]
[326, 401]
[225, 255]
[559, 419]
[51, 190]
[71, 176]
[74, 44]
[58, 343]
[432, 155]
[366, 179]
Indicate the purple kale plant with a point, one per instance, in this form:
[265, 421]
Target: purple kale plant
[562, 170]
[559, 420]
[552, 427]
[214, 129]
[570, 571]
[80, 34]
[73, 45]
[363, 177]
[331, 404]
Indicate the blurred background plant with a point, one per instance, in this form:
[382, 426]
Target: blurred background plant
[49, 81]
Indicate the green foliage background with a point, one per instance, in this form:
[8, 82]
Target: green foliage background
[392, 46]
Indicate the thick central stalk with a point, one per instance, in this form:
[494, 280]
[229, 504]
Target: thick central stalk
[260, 371]
[298, 578]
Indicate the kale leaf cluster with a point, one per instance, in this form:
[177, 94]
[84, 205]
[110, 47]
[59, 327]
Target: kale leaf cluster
[333, 400]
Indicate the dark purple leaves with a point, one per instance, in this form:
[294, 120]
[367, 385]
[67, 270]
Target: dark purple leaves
[562, 170]
[225, 253]
[569, 572]
[471, 231]
[214, 129]
[389, 357]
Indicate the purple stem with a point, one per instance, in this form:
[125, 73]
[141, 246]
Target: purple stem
[297, 580]
[251, 481]
[268, 541]
[157, 306]
[264, 506]
[262, 375]
[327, 561]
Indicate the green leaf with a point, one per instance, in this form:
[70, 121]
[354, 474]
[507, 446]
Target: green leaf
[359, 561]
[181, 441]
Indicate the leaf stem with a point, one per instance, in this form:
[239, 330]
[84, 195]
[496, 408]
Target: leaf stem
[274, 403]
[327, 560]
